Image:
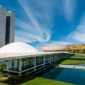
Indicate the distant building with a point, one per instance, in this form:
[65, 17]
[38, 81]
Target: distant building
[10, 22]
[2, 25]
[53, 48]
[75, 48]
[7, 22]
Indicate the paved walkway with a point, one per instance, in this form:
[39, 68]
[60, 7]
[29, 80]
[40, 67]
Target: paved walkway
[71, 66]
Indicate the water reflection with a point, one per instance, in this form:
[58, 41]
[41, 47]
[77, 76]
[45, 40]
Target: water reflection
[74, 76]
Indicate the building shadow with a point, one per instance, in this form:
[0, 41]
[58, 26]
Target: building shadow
[53, 73]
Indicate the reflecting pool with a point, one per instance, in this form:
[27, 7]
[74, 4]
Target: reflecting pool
[74, 76]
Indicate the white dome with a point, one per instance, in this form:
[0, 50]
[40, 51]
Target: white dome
[18, 47]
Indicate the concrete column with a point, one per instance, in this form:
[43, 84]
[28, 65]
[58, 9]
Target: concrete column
[50, 59]
[19, 67]
[7, 65]
[63, 54]
[53, 58]
[15, 63]
[57, 56]
[35, 63]
[19, 74]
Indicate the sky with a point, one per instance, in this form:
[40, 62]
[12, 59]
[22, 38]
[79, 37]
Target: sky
[48, 22]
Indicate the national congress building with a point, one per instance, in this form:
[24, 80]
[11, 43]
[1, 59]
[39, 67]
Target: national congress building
[21, 58]
[7, 21]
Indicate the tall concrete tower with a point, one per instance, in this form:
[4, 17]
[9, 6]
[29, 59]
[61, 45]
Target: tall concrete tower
[10, 22]
[2, 25]
[7, 23]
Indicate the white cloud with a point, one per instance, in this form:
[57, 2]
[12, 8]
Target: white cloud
[56, 43]
[69, 8]
[23, 35]
[37, 26]
[79, 33]
[37, 18]
[17, 39]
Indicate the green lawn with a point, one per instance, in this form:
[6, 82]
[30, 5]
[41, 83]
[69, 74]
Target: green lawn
[3, 84]
[78, 56]
[81, 52]
[69, 61]
[30, 80]
[43, 81]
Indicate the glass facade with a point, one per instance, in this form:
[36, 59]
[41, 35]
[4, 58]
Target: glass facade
[56, 57]
[31, 62]
[39, 60]
[7, 36]
[27, 63]
[12, 65]
[52, 58]
[47, 59]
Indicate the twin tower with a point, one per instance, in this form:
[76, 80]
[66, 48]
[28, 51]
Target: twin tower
[7, 23]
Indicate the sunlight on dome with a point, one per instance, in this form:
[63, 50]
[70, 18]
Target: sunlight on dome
[18, 47]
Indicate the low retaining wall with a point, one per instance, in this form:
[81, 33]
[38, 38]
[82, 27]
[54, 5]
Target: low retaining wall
[71, 66]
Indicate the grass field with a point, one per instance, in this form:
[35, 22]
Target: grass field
[3, 84]
[43, 81]
[81, 52]
[14, 80]
[78, 56]
[69, 61]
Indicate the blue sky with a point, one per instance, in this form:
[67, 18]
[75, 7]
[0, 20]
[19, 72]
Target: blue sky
[48, 22]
